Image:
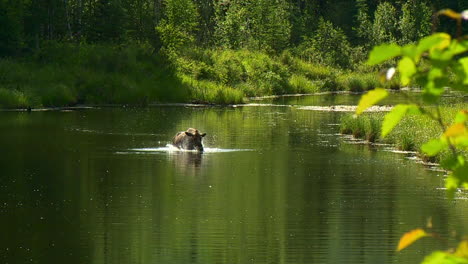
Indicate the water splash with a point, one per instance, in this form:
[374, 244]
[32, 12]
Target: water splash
[169, 148]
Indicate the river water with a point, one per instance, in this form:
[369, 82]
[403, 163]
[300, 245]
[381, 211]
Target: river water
[275, 185]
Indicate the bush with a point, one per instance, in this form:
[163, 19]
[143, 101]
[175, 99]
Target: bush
[355, 82]
[300, 84]
[13, 99]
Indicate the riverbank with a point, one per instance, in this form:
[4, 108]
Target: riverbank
[68, 75]
[409, 135]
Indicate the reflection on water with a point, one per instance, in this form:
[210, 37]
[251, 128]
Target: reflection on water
[274, 185]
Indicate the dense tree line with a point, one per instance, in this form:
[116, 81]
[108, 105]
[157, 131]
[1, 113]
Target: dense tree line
[271, 25]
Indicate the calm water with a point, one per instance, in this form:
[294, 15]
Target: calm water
[276, 185]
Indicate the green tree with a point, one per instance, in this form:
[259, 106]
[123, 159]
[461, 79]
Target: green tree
[363, 30]
[385, 26]
[415, 21]
[106, 21]
[257, 24]
[328, 45]
[11, 33]
[303, 17]
[179, 25]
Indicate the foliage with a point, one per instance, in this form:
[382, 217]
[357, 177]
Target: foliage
[363, 29]
[91, 74]
[443, 56]
[177, 29]
[384, 28]
[257, 24]
[415, 21]
[443, 60]
[329, 46]
[366, 126]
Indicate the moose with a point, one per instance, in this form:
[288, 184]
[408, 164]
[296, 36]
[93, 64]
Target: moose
[189, 140]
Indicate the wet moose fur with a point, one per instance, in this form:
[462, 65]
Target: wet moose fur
[189, 140]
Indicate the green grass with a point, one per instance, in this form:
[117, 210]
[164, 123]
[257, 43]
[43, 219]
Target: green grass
[409, 135]
[13, 99]
[301, 84]
[366, 126]
[357, 82]
[71, 74]
[65, 75]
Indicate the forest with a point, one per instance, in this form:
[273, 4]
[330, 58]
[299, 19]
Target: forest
[68, 52]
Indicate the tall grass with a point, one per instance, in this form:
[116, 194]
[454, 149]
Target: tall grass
[409, 135]
[70, 74]
[357, 82]
[366, 126]
[65, 74]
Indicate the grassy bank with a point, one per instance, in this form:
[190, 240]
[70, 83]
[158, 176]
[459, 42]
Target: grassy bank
[409, 135]
[68, 74]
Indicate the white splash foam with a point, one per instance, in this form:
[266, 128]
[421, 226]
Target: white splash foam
[170, 148]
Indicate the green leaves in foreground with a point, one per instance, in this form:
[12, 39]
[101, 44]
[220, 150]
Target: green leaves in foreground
[434, 146]
[460, 256]
[371, 98]
[441, 257]
[382, 53]
[398, 112]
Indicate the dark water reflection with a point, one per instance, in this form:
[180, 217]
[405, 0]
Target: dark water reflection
[76, 187]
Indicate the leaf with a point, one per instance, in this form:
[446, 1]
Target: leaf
[441, 257]
[407, 69]
[433, 41]
[371, 98]
[391, 119]
[410, 237]
[451, 184]
[433, 147]
[461, 116]
[455, 130]
[383, 52]
[411, 51]
[464, 63]
[462, 249]
[458, 47]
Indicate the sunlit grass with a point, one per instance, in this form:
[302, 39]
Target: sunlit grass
[409, 135]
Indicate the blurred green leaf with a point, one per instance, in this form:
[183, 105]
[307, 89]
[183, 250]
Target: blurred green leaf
[434, 146]
[407, 69]
[437, 40]
[396, 114]
[458, 47]
[411, 51]
[434, 88]
[383, 52]
[464, 63]
[451, 184]
[449, 163]
[461, 116]
[371, 98]
[441, 257]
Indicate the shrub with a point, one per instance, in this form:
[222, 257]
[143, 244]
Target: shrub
[300, 84]
[13, 99]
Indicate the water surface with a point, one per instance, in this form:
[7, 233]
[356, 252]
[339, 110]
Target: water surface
[277, 185]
